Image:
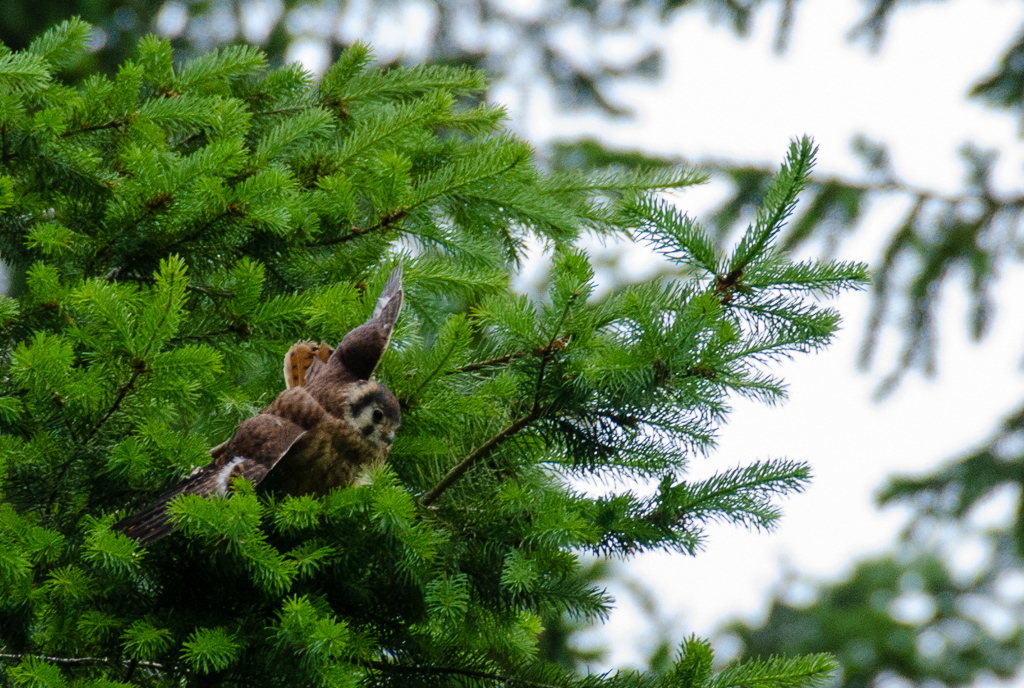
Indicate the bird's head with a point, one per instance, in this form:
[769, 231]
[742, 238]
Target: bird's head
[373, 412]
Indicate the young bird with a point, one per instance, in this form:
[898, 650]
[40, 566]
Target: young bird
[329, 425]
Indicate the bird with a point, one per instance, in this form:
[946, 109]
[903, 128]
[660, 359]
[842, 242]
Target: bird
[330, 424]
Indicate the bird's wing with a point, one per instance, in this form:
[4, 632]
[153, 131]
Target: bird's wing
[256, 447]
[303, 361]
[386, 300]
[362, 348]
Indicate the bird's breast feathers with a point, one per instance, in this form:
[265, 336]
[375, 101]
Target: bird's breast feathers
[328, 456]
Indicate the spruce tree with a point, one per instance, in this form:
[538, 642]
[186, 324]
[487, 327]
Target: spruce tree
[175, 228]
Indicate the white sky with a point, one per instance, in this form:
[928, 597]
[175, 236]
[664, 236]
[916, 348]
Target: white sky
[724, 98]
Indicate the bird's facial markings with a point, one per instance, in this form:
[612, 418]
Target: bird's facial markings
[372, 413]
[357, 406]
[375, 423]
[369, 419]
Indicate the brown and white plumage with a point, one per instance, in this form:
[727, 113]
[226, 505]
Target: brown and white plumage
[329, 424]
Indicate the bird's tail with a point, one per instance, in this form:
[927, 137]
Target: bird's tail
[153, 523]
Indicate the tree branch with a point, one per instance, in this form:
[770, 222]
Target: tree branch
[455, 671]
[485, 450]
[482, 452]
[206, 336]
[115, 274]
[122, 392]
[385, 223]
[80, 661]
[113, 124]
[558, 343]
[366, 663]
[502, 360]
[426, 381]
[229, 212]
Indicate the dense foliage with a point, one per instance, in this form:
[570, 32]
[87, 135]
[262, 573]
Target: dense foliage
[967, 237]
[176, 227]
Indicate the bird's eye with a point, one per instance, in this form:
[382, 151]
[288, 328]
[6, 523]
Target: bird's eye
[378, 415]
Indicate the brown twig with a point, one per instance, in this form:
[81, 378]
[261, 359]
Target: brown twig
[138, 368]
[208, 335]
[385, 223]
[482, 452]
[502, 360]
[80, 661]
[457, 671]
[115, 274]
[488, 447]
[113, 124]
[540, 351]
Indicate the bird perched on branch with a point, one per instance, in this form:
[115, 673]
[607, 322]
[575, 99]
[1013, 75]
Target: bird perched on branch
[330, 424]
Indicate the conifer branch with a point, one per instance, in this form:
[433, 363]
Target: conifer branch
[555, 343]
[67, 464]
[138, 368]
[385, 223]
[274, 271]
[366, 663]
[229, 211]
[184, 143]
[115, 274]
[488, 447]
[67, 422]
[471, 367]
[112, 124]
[451, 671]
[559, 343]
[388, 221]
[101, 252]
[436, 371]
[219, 293]
[152, 207]
[482, 452]
[80, 661]
[206, 336]
[283, 111]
